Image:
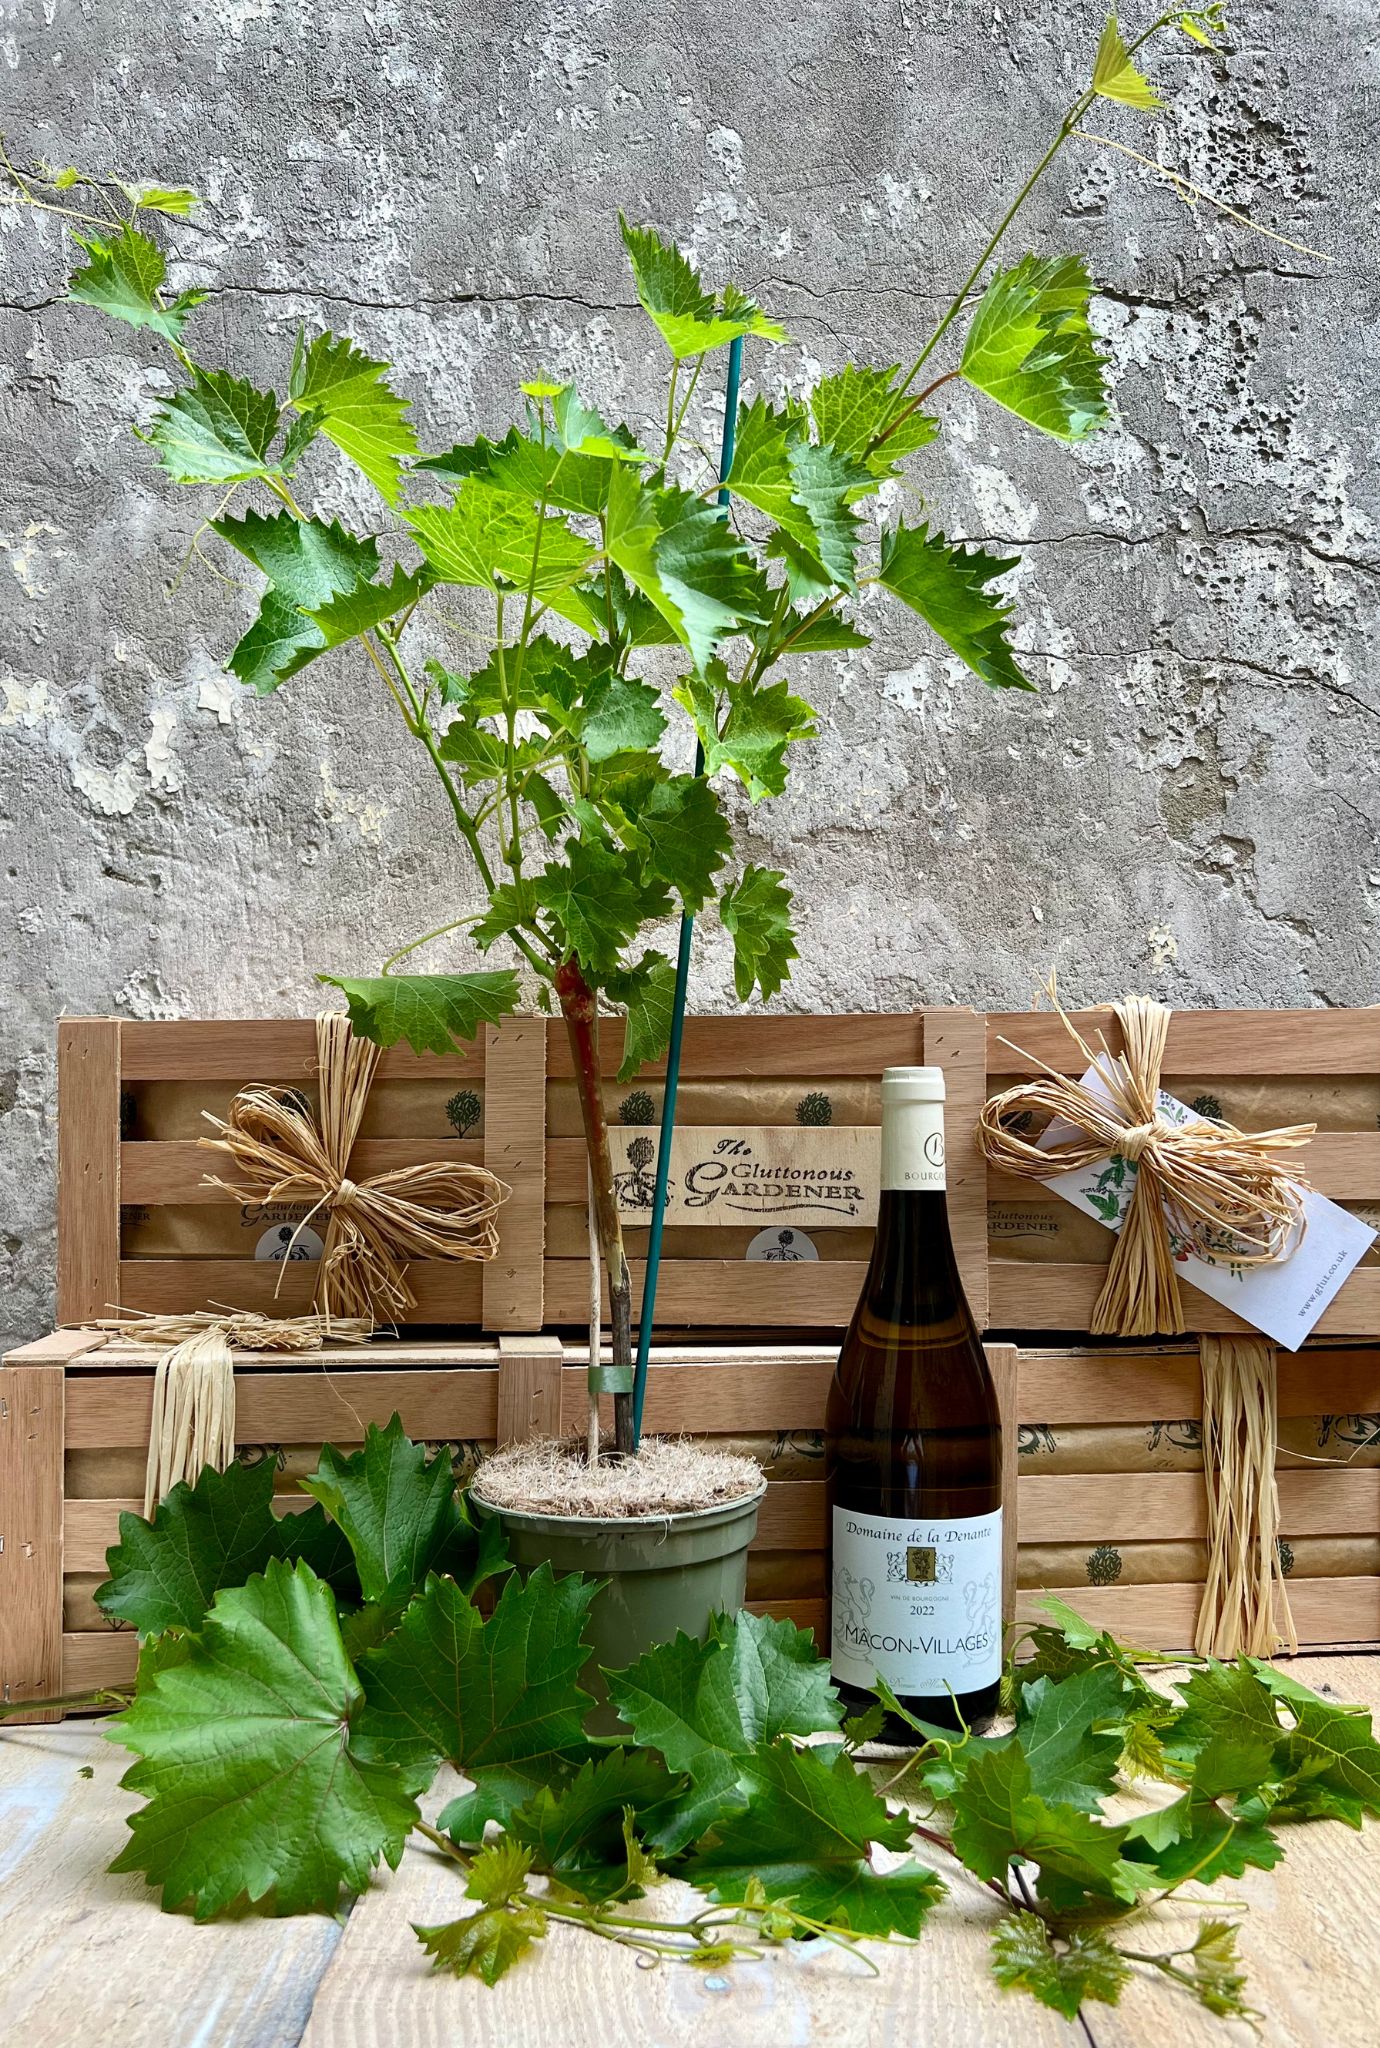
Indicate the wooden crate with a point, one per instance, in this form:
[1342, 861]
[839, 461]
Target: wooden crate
[1114, 1518]
[521, 1070]
[1313, 1054]
[75, 1404]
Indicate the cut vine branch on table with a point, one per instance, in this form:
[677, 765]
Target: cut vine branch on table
[301, 1682]
[600, 557]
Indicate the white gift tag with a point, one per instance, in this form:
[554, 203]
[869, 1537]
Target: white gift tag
[1285, 1298]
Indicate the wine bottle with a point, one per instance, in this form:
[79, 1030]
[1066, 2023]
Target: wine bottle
[913, 1451]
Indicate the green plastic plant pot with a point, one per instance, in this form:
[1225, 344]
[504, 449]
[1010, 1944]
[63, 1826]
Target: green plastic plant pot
[663, 1572]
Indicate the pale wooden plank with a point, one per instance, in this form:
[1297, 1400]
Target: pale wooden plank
[956, 1041]
[1307, 1931]
[1325, 1611]
[58, 1348]
[97, 1657]
[1342, 1164]
[1135, 1384]
[1130, 1507]
[748, 1046]
[710, 1293]
[159, 1171]
[31, 1439]
[447, 1291]
[1201, 1041]
[265, 1049]
[1033, 1297]
[579, 1992]
[529, 1388]
[515, 1150]
[87, 1957]
[117, 1355]
[302, 1407]
[88, 1059]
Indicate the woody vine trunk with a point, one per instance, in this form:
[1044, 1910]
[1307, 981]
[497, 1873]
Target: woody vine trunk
[580, 1008]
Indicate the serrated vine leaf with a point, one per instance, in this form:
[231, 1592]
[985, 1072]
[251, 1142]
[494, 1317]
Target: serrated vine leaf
[1030, 348]
[488, 539]
[619, 715]
[1115, 77]
[307, 563]
[249, 1760]
[401, 1514]
[165, 1573]
[430, 1012]
[947, 586]
[367, 605]
[999, 1817]
[218, 430]
[860, 413]
[1069, 1758]
[575, 1831]
[804, 488]
[344, 391]
[647, 993]
[756, 912]
[685, 559]
[176, 200]
[486, 1944]
[448, 1684]
[123, 277]
[1194, 1838]
[594, 902]
[687, 837]
[1084, 1965]
[689, 318]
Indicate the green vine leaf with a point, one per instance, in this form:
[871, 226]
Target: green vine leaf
[1070, 1758]
[805, 489]
[307, 563]
[448, 1684]
[489, 539]
[1030, 348]
[948, 587]
[367, 605]
[690, 319]
[577, 1831]
[402, 1517]
[430, 1012]
[686, 560]
[999, 1818]
[124, 277]
[1082, 1965]
[216, 431]
[756, 912]
[250, 1762]
[860, 413]
[647, 993]
[763, 720]
[486, 1944]
[1115, 77]
[166, 1572]
[344, 393]
[594, 902]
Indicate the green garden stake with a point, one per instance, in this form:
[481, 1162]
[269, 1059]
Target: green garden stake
[652, 1268]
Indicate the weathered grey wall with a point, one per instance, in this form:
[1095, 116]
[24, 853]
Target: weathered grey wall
[1190, 803]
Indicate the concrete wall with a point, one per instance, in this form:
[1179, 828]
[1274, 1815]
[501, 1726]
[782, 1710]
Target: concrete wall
[1188, 806]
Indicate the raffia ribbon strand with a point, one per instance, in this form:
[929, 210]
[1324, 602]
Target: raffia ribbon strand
[1226, 1192]
[1245, 1605]
[439, 1210]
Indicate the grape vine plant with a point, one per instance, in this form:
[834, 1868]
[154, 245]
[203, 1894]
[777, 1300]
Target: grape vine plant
[597, 545]
[302, 1679]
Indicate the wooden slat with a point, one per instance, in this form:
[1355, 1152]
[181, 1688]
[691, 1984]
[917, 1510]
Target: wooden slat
[264, 1049]
[302, 1407]
[1104, 1385]
[804, 1613]
[58, 1348]
[1224, 1042]
[956, 1041]
[515, 1150]
[167, 1170]
[724, 1293]
[1131, 1507]
[1030, 1297]
[715, 1400]
[1164, 1617]
[383, 1354]
[446, 1291]
[771, 1046]
[529, 1388]
[88, 1167]
[1344, 1165]
[96, 1657]
[31, 1440]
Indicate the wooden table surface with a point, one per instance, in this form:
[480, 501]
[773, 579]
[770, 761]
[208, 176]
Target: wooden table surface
[86, 1957]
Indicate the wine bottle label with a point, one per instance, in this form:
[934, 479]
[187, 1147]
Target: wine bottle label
[913, 1146]
[918, 1601]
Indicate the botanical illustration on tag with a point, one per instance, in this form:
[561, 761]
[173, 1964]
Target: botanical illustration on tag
[815, 1174]
[1283, 1299]
[781, 1246]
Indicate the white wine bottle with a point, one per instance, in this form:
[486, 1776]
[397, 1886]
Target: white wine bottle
[913, 1451]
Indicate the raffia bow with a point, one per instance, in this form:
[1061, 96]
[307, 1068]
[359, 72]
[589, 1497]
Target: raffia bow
[439, 1210]
[1222, 1190]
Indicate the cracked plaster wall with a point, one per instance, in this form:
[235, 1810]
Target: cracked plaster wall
[1189, 804]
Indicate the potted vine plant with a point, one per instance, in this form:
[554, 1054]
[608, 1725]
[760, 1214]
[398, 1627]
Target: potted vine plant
[599, 548]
